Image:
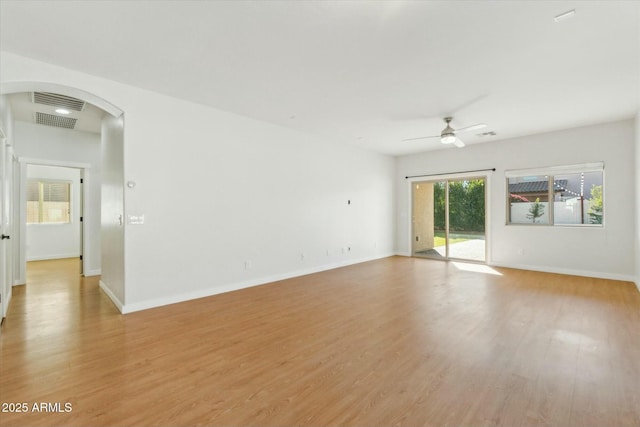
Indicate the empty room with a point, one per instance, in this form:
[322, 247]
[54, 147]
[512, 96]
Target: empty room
[319, 213]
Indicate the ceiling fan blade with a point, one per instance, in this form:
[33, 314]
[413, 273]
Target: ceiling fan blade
[421, 137]
[458, 143]
[472, 127]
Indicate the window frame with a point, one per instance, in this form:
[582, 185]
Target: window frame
[551, 172]
[40, 212]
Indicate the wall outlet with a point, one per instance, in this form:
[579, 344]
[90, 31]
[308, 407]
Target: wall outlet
[302, 256]
[247, 265]
[520, 251]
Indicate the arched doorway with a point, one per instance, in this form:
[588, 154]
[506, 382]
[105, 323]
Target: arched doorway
[111, 227]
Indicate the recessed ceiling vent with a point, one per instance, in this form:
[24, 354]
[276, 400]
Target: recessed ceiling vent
[56, 121]
[55, 100]
[490, 133]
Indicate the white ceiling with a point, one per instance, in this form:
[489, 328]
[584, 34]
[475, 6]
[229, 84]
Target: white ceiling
[360, 72]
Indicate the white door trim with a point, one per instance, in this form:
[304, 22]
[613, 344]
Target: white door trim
[85, 172]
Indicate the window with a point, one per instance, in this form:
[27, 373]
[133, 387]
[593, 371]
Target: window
[48, 202]
[529, 199]
[562, 195]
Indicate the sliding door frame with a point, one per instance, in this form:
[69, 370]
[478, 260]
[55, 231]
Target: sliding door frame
[452, 177]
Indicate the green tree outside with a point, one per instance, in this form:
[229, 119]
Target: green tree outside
[536, 210]
[595, 205]
[466, 205]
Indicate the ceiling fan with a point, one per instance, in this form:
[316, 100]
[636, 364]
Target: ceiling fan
[448, 134]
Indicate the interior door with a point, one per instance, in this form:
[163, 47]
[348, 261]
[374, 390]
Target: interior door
[6, 259]
[82, 222]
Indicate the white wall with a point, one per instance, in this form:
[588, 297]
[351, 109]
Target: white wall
[6, 118]
[54, 241]
[228, 201]
[637, 197]
[637, 186]
[67, 147]
[112, 280]
[600, 252]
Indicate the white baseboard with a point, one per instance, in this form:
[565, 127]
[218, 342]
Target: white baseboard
[568, 271]
[158, 302]
[112, 297]
[92, 273]
[19, 282]
[571, 272]
[54, 256]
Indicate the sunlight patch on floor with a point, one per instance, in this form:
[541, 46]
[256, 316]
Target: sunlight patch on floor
[476, 268]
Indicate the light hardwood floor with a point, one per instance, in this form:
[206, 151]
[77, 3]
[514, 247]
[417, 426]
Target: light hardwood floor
[398, 341]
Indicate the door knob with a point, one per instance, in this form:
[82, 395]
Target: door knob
[4, 236]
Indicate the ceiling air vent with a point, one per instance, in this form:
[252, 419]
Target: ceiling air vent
[56, 121]
[490, 133]
[55, 100]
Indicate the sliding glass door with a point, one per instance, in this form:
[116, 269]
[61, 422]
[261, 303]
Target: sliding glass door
[449, 219]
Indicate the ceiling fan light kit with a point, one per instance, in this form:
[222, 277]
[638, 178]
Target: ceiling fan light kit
[448, 138]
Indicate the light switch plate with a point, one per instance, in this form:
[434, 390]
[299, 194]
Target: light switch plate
[135, 219]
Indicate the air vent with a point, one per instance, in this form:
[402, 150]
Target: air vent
[56, 121]
[55, 100]
[490, 133]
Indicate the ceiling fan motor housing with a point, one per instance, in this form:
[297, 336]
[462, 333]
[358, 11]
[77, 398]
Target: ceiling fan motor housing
[448, 134]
